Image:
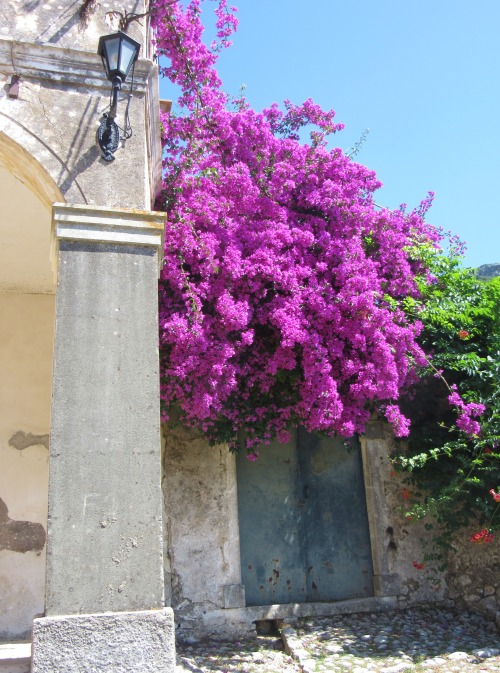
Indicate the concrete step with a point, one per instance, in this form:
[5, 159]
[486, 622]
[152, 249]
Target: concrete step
[15, 657]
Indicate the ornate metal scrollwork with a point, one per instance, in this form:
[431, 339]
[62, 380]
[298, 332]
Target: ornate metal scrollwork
[108, 137]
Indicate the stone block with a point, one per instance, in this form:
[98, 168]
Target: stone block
[113, 642]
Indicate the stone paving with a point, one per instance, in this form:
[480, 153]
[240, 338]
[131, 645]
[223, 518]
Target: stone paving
[414, 641]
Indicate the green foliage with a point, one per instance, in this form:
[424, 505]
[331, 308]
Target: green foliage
[455, 471]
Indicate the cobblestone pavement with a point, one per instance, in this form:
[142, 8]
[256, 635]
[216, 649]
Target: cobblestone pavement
[413, 641]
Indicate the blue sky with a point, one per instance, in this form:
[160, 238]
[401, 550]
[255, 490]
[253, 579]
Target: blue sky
[423, 77]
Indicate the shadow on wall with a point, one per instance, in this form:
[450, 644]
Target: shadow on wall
[19, 536]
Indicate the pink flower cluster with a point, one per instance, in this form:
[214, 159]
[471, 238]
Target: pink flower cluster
[281, 290]
[467, 412]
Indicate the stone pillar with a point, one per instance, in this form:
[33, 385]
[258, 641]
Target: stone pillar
[375, 450]
[104, 574]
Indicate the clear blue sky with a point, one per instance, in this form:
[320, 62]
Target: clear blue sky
[423, 77]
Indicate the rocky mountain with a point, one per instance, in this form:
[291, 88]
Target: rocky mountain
[487, 271]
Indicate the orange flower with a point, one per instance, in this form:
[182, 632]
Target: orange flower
[405, 494]
[463, 334]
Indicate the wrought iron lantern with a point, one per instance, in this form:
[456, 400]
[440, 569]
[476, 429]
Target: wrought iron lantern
[119, 52]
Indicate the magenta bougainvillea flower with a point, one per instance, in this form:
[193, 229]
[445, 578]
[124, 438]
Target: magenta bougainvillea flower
[466, 413]
[283, 285]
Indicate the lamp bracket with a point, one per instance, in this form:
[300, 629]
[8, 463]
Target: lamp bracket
[108, 137]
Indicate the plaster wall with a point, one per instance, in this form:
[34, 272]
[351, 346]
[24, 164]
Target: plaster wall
[202, 570]
[50, 49]
[202, 540]
[467, 578]
[62, 120]
[397, 540]
[65, 22]
[202, 544]
[26, 344]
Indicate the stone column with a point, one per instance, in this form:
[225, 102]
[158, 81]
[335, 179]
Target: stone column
[375, 448]
[104, 575]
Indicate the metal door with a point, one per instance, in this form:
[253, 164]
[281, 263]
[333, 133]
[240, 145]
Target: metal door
[303, 522]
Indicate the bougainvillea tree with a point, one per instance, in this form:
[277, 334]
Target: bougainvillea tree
[282, 293]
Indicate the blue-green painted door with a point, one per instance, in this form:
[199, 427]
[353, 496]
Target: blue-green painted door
[303, 522]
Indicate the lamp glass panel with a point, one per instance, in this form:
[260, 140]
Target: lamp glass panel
[112, 48]
[127, 57]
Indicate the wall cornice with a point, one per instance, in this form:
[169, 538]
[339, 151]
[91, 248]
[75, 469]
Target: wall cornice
[119, 226]
[65, 67]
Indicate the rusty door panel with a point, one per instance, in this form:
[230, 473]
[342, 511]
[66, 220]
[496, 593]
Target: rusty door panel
[336, 535]
[303, 522]
[272, 556]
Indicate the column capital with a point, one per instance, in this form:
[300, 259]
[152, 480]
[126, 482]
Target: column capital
[94, 224]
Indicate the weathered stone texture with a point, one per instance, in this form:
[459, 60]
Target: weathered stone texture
[202, 540]
[105, 530]
[62, 92]
[124, 642]
[473, 575]
[396, 540]
[19, 536]
[65, 118]
[61, 22]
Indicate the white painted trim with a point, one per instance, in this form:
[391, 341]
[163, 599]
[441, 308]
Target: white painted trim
[92, 224]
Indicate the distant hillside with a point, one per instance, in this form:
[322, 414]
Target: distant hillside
[487, 271]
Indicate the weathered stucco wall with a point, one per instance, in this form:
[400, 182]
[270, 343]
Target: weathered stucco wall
[466, 578]
[202, 540]
[62, 118]
[65, 22]
[53, 93]
[201, 533]
[26, 342]
[398, 542]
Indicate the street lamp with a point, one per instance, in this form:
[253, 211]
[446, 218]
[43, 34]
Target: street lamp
[119, 52]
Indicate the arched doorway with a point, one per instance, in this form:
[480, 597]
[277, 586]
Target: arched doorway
[27, 304]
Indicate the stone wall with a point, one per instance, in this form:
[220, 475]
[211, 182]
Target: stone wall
[202, 545]
[473, 576]
[53, 93]
[467, 578]
[398, 542]
[202, 552]
[66, 23]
